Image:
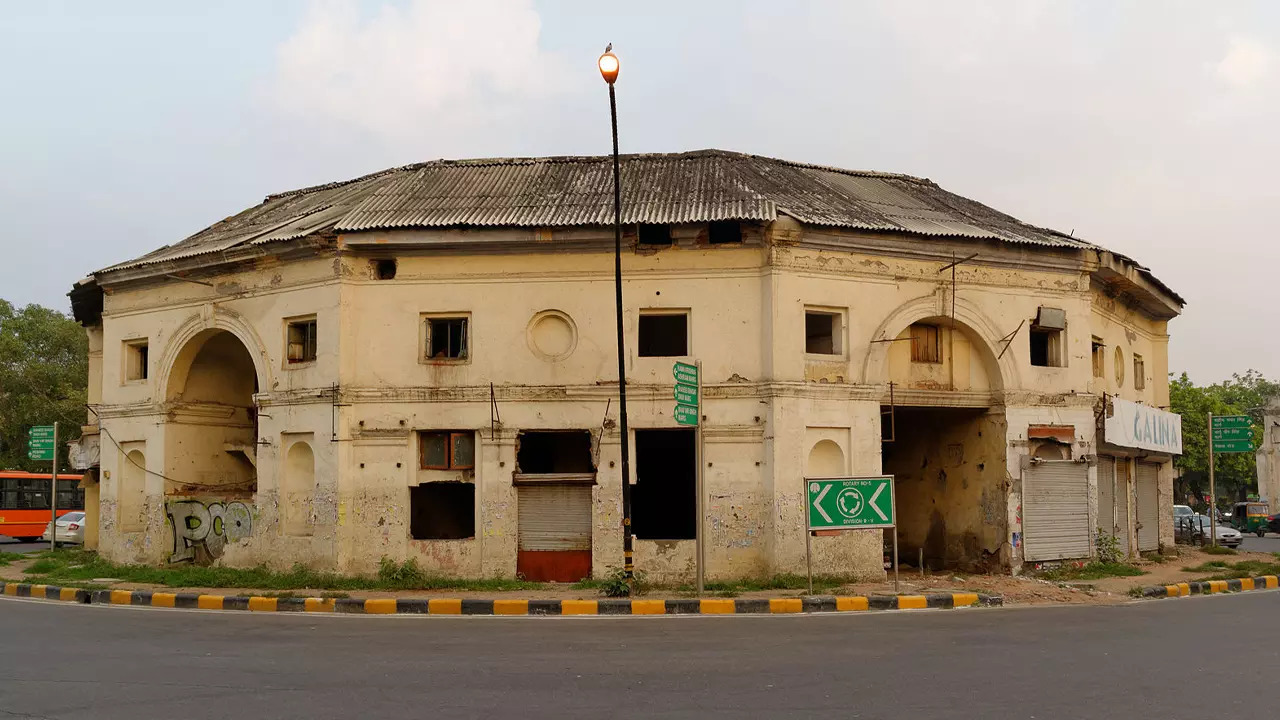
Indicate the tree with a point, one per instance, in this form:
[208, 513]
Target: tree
[44, 373]
[1235, 474]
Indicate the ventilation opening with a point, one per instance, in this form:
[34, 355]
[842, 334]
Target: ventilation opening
[664, 335]
[821, 333]
[655, 235]
[724, 231]
[442, 511]
[664, 498]
[384, 269]
[554, 453]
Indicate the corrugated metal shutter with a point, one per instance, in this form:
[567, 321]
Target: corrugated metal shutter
[555, 517]
[1112, 489]
[1055, 510]
[1148, 503]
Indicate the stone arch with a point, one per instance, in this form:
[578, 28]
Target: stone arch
[188, 339]
[980, 330]
[297, 489]
[826, 459]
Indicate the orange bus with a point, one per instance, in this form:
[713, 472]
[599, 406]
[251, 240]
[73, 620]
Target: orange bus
[24, 502]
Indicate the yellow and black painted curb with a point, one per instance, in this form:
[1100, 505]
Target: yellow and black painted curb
[452, 606]
[1210, 587]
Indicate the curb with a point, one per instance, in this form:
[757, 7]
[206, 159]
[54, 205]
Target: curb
[453, 606]
[1210, 587]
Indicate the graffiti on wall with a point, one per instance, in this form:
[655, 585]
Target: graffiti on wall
[202, 530]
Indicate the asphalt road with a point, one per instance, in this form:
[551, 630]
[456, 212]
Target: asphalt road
[1253, 543]
[8, 544]
[1166, 658]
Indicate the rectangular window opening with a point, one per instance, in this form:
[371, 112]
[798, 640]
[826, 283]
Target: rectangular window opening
[554, 452]
[1099, 357]
[822, 332]
[442, 511]
[664, 497]
[447, 338]
[447, 450]
[926, 344]
[655, 234]
[724, 231]
[1048, 338]
[1139, 372]
[302, 341]
[663, 335]
[136, 360]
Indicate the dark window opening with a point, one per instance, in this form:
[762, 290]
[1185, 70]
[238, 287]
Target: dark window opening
[664, 335]
[302, 341]
[554, 452]
[447, 450]
[664, 499]
[926, 344]
[384, 269]
[1046, 347]
[1139, 373]
[1099, 357]
[655, 234]
[442, 511]
[136, 356]
[447, 338]
[821, 333]
[724, 231]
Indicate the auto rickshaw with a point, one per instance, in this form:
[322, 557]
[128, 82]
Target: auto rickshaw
[1250, 517]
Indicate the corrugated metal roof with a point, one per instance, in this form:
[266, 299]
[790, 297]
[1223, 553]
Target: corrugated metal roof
[690, 187]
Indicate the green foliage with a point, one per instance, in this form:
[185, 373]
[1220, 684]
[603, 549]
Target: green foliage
[44, 372]
[1224, 570]
[1090, 571]
[1218, 550]
[616, 584]
[1108, 547]
[1235, 474]
[7, 558]
[406, 573]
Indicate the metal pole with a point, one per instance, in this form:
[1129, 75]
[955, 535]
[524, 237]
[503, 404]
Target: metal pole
[53, 496]
[808, 555]
[895, 552]
[1213, 496]
[628, 566]
[701, 489]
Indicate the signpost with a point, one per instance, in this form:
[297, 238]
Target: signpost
[1227, 434]
[42, 444]
[688, 395]
[849, 503]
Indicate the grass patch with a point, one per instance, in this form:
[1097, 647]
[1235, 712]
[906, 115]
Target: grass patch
[1156, 557]
[1218, 550]
[1090, 571]
[1224, 570]
[1137, 591]
[8, 558]
[71, 568]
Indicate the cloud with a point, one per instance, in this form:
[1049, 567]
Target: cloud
[1246, 63]
[434, 70]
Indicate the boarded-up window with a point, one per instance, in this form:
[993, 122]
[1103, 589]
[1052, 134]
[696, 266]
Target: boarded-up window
[302, 341]
[1139, 372]
[926, 344]
[447, 450]
[1099, 358]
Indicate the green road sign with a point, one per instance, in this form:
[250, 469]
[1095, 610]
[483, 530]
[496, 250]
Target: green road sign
[40, 442]
[1231, 421]
[686, 394]
[685, 373]
[1232, 446]
[850, 503]
[1233, 433]
[686, 415]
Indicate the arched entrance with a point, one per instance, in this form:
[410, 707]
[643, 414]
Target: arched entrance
[944, 441]
[211, 431]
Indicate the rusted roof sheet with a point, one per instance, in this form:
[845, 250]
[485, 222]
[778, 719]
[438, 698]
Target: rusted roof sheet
[692, 187]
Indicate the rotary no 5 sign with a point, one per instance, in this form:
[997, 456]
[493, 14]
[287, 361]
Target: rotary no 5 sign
[850, 503]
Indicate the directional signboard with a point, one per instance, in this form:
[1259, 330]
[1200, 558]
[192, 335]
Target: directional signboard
[686, 393]
[40, 442]
[1232, 434]
[852, 503]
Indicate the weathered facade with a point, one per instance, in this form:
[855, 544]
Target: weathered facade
[421, 364]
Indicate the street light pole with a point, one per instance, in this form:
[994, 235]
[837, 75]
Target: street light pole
[608, 64]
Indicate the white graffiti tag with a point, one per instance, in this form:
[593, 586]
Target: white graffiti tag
[210, 526]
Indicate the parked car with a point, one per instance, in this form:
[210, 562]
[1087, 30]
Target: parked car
[70, 529]
[1182, 511]
[1195, 529]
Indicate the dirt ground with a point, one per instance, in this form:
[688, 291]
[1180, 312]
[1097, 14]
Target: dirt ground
[1016, 590]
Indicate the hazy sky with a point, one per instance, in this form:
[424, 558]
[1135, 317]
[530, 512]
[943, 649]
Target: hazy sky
[1152, 128]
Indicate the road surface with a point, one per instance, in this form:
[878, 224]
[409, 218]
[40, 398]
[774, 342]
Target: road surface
[1253, 543]
[9, 545]
[1162, 658]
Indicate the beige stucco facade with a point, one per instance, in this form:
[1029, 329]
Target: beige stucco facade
[228, 452]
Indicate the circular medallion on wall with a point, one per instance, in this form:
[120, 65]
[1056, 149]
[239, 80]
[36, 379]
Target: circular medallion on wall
[552, 335]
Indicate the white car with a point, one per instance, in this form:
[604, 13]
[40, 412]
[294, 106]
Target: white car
[1199, 528]
[70, 529]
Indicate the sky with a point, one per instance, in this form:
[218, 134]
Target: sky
[1146, 127]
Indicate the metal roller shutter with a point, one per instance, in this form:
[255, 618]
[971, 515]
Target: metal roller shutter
[1113, 496]
[555, 517]
[1055, 510]
[1148, 506]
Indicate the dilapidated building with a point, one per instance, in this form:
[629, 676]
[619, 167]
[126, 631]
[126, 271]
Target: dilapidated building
[420, 364]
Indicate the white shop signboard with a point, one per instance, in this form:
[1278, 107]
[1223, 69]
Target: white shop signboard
[1144, 427]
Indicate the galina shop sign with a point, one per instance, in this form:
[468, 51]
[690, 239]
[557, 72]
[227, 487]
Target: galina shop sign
[1144, 427]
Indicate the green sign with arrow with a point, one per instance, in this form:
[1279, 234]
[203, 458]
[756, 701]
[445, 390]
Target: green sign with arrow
[40, 442]
[853, 503]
